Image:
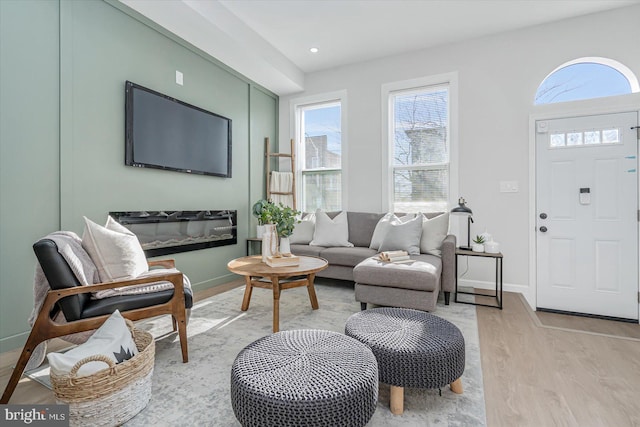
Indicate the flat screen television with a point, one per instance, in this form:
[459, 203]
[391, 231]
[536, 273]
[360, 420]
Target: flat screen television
[164, 133]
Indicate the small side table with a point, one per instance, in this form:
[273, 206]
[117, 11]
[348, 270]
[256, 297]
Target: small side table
[498, 294]
[250, 242]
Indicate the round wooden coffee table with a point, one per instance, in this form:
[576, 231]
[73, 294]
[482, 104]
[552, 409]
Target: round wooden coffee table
[259, 275]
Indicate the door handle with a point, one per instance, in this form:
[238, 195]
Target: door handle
[543, 229]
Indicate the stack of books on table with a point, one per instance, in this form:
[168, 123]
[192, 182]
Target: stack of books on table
[283, 261]
[394, 256]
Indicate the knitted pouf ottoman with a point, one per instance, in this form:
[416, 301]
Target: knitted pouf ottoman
[304, 378]
[413, 349]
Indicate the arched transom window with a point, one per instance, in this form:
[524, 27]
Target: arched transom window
[586, 78]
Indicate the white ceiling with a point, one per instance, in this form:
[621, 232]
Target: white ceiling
[269, 40]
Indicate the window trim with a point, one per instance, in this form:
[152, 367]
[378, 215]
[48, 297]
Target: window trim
[451, 80]
[306, 101]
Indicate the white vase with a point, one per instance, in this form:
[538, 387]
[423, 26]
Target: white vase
[492, 247]
[269, 241]
[259, 231]
[285, 246]
[477, 247]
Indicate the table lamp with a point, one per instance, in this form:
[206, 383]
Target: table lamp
[463, 209]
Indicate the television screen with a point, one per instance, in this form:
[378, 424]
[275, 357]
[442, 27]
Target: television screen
[165, 133]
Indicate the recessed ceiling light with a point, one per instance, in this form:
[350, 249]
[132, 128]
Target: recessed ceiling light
[314, 50]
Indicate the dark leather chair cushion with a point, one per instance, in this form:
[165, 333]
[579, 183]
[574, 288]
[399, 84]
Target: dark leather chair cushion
[123, 303]
[75, 307]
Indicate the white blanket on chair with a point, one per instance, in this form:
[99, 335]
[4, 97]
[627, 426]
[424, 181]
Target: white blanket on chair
[70, 247]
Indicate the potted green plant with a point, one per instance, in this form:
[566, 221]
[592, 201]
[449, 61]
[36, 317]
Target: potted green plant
[285, 219]
[478, 244]
[262, 210]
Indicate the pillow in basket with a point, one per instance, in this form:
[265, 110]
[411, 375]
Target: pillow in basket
[113, 339]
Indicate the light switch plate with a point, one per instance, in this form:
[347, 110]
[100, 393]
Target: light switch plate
[509, 186]
[179, 78]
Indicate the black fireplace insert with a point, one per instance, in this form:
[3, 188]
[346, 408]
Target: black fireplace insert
[168, 232]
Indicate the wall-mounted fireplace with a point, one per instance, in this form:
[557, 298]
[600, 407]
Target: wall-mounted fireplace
[168, 232]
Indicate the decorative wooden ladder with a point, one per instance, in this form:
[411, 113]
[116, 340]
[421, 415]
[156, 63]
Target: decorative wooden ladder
[268, 155]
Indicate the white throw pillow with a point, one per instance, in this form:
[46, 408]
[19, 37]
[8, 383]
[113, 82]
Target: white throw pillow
[434, 231]
[113, 339]
[331, 232]
[303, 231]
[114, 249]
[383, 226]
[403, 236]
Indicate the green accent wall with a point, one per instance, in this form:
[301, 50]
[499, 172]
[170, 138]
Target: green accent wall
[63, 70]
[262, 125]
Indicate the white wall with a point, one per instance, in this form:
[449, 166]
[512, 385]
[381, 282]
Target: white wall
[498, 77]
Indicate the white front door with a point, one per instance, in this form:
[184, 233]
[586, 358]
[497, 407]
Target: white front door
[587, 215]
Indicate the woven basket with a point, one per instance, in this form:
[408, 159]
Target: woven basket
[111, 396]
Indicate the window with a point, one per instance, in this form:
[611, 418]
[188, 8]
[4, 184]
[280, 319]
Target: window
[419, 139]
[586, 78]
[320, 156]
[591, 137]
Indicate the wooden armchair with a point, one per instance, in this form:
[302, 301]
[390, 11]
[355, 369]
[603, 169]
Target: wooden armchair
[84, 314]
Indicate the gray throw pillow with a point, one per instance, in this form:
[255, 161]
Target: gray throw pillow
[403, 236]
[381, 230]
[303, 231]
[434, 231]
[383, 227]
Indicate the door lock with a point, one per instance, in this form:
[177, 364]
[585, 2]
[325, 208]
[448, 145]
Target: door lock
[543, 229]
[543, 215]
[585, 196]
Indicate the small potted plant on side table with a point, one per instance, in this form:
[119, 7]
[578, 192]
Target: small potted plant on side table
[478, 244]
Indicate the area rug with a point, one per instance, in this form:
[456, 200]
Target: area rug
[197, 393]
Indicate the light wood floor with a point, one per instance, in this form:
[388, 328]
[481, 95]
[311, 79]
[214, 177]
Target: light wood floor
[537, 376]
[533, 376]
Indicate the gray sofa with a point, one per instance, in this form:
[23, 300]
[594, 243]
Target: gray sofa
[414, 285]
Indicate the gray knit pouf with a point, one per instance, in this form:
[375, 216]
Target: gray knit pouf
[413, 348]
[304, 378]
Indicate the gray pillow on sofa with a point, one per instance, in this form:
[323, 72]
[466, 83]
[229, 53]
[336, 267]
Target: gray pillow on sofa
[381, 230]
[303, 231]
[434, 231]
[403, 236]
[383, 227]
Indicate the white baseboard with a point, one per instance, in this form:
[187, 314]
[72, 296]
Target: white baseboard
[13, 342]
[226, 278]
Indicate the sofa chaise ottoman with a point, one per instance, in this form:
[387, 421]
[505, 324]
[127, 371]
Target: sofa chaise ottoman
[412, 285]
